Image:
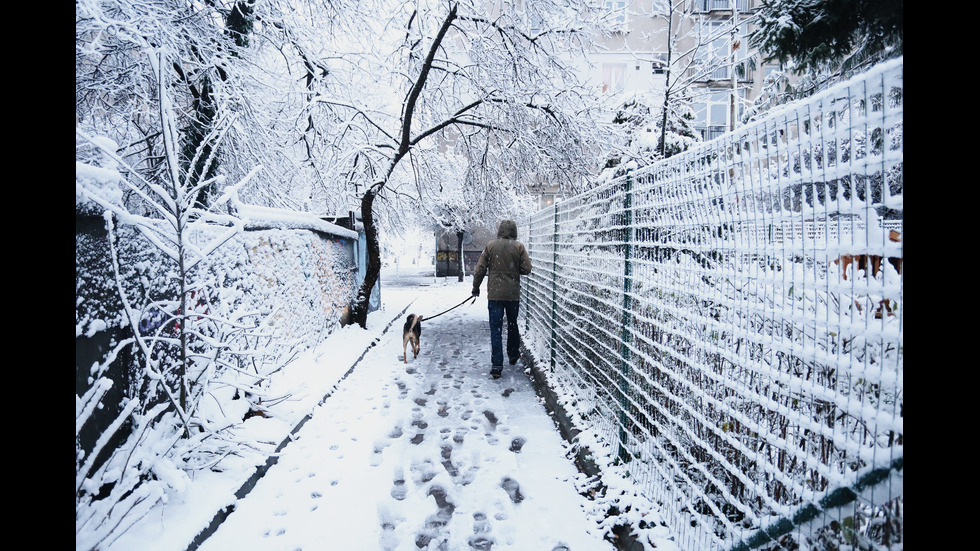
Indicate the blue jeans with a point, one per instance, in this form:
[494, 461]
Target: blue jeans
[497, 310]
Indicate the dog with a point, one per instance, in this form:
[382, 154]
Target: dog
[871, 265]
[412, 334]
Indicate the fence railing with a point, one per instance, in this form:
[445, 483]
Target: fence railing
[729, 324]
[709, 5]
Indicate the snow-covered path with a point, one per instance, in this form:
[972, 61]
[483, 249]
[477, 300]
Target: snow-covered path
[432, 454]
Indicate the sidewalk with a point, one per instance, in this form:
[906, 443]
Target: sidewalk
[432, 454]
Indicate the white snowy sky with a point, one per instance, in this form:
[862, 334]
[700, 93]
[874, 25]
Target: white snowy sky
[439, 423]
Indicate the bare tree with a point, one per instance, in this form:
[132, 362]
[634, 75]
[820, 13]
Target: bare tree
[177, 361]
[487, 107]
[702, 53]
[133, 89]
[332, 99]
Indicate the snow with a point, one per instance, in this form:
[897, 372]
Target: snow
[269, 217]
[394, 455]
[103, 182]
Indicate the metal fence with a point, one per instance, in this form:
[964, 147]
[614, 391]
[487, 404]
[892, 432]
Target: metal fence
[728, 322]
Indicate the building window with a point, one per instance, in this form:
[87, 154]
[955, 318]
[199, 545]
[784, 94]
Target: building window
[713, 60]
[712, 112]
[532, 14]
[708, 5]
[613, 78]
[770, 69]
[659, 64]
[617, 12]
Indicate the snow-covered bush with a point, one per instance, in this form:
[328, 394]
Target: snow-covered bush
[177, 335]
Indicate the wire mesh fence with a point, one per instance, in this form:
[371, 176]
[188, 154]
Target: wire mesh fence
[729, 323]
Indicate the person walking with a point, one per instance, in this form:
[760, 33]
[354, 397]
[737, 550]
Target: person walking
[505, 260]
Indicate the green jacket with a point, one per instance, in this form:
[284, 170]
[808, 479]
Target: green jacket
[506, 260]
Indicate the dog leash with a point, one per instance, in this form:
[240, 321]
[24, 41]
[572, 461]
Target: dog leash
[427, 318]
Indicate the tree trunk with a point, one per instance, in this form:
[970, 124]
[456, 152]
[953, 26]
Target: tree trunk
[670, 50]
[359, 310]
[362, 302]
[459, 252]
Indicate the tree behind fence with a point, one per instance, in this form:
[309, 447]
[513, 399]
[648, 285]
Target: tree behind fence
[728, 322]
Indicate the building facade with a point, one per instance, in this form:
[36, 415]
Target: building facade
[699, 47]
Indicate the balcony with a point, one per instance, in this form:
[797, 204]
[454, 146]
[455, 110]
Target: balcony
[709, 133]
[704, 6]
[717, 69]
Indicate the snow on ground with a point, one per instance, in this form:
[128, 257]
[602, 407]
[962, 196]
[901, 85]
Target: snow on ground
[432, 454]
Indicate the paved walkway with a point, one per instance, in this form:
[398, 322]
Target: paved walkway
[432, 454]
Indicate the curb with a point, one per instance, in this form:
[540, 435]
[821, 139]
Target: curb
[583, 461]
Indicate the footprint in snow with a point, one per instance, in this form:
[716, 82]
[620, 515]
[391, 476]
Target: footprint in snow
[398, 489]
[513, 489]
[491, 417]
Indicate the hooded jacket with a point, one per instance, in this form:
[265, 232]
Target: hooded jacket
[506, 260]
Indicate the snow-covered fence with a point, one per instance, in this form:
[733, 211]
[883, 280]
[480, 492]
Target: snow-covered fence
[727, 324]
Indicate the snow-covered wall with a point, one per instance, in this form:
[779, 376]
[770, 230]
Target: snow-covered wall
[183, 315]
[300, 280]
[276, 291]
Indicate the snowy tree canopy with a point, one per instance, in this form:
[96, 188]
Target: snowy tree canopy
[819, 35]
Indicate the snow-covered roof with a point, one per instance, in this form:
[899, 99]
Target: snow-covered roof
[256, 217]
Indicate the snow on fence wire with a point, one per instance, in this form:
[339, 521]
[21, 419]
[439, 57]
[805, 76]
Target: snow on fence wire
[728, 324]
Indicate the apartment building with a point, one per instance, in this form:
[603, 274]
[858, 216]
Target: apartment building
[697, 47]
[703, 46]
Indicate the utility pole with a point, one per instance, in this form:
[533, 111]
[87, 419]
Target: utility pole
[735, 44]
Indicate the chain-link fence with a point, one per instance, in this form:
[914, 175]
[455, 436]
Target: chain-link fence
[729, 323]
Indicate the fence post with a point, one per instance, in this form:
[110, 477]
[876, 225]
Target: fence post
[554, 284]
[627, 317]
